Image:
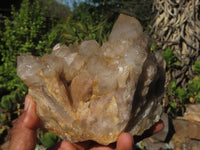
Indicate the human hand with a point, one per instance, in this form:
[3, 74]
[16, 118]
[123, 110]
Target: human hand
[24, 134]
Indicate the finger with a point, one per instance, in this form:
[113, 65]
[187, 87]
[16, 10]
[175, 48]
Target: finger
[91, 145]
[125, 142]
[24, 130]
[101, 147]
[158, 127]
[83, 145]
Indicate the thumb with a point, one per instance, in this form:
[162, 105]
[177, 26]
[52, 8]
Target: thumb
[125, 142]
[24, 130]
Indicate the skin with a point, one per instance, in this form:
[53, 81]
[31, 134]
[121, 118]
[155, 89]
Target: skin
[24, 134]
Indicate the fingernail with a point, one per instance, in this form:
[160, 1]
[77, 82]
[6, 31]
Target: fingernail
[27, 102]
[30, 104]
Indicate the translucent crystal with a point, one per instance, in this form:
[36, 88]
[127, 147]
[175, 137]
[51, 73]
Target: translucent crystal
[96, 93]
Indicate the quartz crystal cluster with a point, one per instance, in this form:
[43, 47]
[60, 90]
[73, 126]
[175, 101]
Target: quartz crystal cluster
[89, 92]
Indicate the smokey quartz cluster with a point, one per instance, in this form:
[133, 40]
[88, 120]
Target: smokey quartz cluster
[96, 93]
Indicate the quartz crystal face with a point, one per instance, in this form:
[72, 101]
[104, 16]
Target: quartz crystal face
[95, 93]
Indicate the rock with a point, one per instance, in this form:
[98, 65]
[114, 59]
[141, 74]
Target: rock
[150, 144]
[181, 135]
[192, 112]
[96, 93]
[195, 130]
[182, 140]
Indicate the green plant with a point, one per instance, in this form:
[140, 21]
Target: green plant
[153, 48]
[180, 97]
[194, 88]
[3, 129]
[4, 125]
[172, 87]
[196, 67]
[181, 93]
[198, 97]
[173, 105]
[177, 96]
[25, 32]
[48, 139]
[86, 23]
[168, 56]
[3, 119]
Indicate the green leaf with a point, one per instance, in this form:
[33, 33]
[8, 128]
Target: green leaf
[196, 66]
[181, 93]
[2, 130]
[177, 63]
[3, 119]
[198, 97]
[173, 104]
[168, 56]
[194, 87]
[153, 47]
[172, 86]
[6, 102]
[49, 139]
